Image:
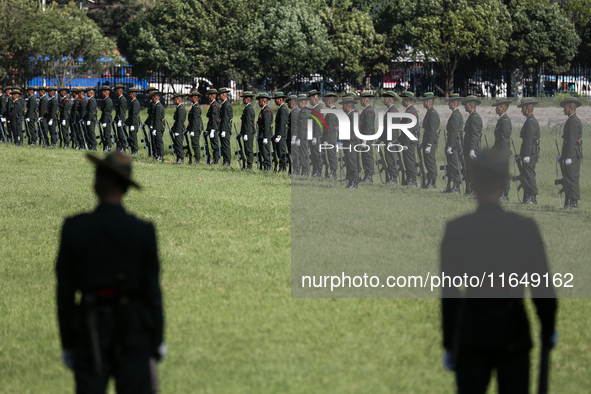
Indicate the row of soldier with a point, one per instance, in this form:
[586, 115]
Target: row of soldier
[287, 145]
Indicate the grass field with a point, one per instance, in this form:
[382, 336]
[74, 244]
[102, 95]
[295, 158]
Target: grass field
[225, 247]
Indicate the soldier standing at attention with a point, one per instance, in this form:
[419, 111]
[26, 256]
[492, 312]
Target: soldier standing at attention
[472, 137]
[226, 116]
[431, 124]
[530, 148]
[247, 130]
[65, 108]
[178, 128]
[31, 115]
[485, 328]
[503, 135]
[367, 119]
[120, 112]
[302, 135]
[572, 152]
[133, 120]
[158, 125]
[76, 137]
[280, 136]
[390, 98]
[315, 155]
[90, 118]
[351, 156]
[409, 146]
[213, 125]
[116, 328]
[106, 112]
[195, 126]
[14, 115]
[148, 121]
[330, 136]
[454, 126]
[264, 124]
[292, 132]
[51, 114]
[42, 120]
[5, 102]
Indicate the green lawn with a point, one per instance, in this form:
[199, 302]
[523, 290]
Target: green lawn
[225, 247]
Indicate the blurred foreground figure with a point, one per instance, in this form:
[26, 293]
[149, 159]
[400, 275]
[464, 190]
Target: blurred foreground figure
[486, 328]
[108, 293]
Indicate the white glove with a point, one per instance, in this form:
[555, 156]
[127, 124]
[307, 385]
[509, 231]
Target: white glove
[293, 142]
[3, 119]
[63, 122]
[526, 159]
[314, 141]
[119, 124]
[568, 162]
[389, 144]
[176, 134]
[153, 132]
[428, 149]
[27, 119]
[449, 150]
[363, 144]
[131, 128]
[192, 134]
[68, 358]
[245, 137]
[104, 125]
[39, 120]
[162, 350]
[298, 142]
[293, 139]
[223, 134]
[49, 123]
[265, 141]
[277, 139]
[405, 148]
[472, 155]
[212, 134]
[88, 122]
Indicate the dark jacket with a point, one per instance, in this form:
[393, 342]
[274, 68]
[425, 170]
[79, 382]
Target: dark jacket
[530, 134]
[454, 129]
[195, 122]
[431, 124]
[281, 119]
[472, 132]
[572, 138]
[247, 120]
[264, 122]
[503, 134]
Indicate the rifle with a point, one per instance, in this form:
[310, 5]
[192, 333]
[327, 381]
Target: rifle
[188, 147]
[146, 140]
[121, 131]
[402, 169]
[81, 129]
[422, 173]
[3, 133]
[519, 177]
[60, 133]
[444, 166]
[258, 155]
[559, 181]
[382, 167]
[171, 138]
[240, 151]
[40, 131]
[206, 148]
[102, 135]
[462, 162]
[27, 133]
[544, 369]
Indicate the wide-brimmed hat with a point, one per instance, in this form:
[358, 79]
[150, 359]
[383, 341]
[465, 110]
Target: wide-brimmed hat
[427, 96]
[177, 95]
[471, 99]
[527, 101]
[116, 162]
[279, 95]
[502, 101]
[133, 90]
[90, 89]
[351, 94]
[313, 92]
[105, 87]
[7, 87]
[263, 95]
[492, 159]
[367, 94]
[118, 86]
[348, 100]
[62, 88]
[223, 90]
[302, 97]
[42, 88]
[49, 89]
[75, 90]
[16, 91]
[248, 93]
[570, 100]
[291, 97]
[151, 88]
[329, 95]
[406, 95]
[453, 97]
[194, 92]
[211, 91]
[31, 88]
[156, 93]
[390, 94]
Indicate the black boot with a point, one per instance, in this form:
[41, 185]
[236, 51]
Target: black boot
[392, 179]
[412, 181]
[333, 174]
[532, 199]
[431, 184]
[456, 188]
[574, 203]
[368, 178]
[353, 185]
[566, 201]
[348, 185]
[504, 196]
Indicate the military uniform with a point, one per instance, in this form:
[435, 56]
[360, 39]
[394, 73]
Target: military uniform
[42, 120]
[572, 153]
[389, 152]
[530, 148]
[453, 129]
[178, 129]
[280, 136]
[65, 109]
[264, 125]
[106, 118]
[75, 134]
[90, 121]
[367, 119]
[51, 117]
[351, 157]
[14, 117]
[472, 140]
[195, 126]
[304, 153]
[502, 143]
[294, 148]
[431, 123]
[133, 124]
[158, 129]
[330, 136]
[213, 126]
[31, 117]
[120, 118]
[247, 130]
[409, 154]
[226, 115]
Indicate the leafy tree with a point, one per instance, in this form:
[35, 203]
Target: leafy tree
[579, 12]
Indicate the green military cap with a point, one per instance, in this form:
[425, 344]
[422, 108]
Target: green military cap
[248, 93]
[133, 90]
[155, 93]
[453, 97]
[105, 87]
[427, 96]
[570, 100]
[194, 92]
[329, 95]
[44, 88]
[408, 95]
[471, 99]
[313, 92]
[177, 95]
[211, 91]
[494, 160]
[67, 89]
[7, 87]
[263, 95]
[31, 88]
[279, 95]
[118, 86]
[75, 90]
[223, 90]
[151, 89]
[291, 97]
[302, 96]
[390, 93]
[16, 91]
[118, 164]
[367, 94]
[502, 101]
[51, 88]
[348, 100]
[90, 88]
[351, 94]
[527, 101]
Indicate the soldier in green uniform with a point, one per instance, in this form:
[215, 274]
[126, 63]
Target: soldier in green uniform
[472, 137]
[74, 125]
[314, 143]
[42, 120]
[106, 115]
[280, 136]
[572, 152]
[302, 136]
[51, 114]
[120, 118]
[133, 119]
[213, 125]
[503, 135]
[247, 129]
[65, 109]
[226, 116]
[109, 301]
[530, 149]
[330, 135]
[292, 133]
[5, 102]
[389, 151]
[486, 328]
[14, 117]
[178, 128]
[195, 126]
[409, 146]
[264, 125]
[454, 127]
[31, 114]
[158, 126]
[431, 124]
[351, 157]
[367, 119]
[90, 118]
